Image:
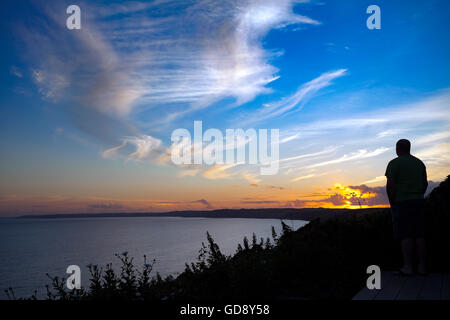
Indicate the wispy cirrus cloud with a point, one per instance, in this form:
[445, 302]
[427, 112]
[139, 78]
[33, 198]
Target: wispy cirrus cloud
[437, 158]
[325, 151]
[216, 52]
[360, 154]
[424, 121]
[308, 176]
[313, 174]
[375, 180]
[129, 59]
[442, 136]
[128, 7]
[386, 121]
[217, 171]
[16, 72]
[143, 148]
[297, 100]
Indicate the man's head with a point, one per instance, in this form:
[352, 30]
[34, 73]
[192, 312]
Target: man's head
[403, 147]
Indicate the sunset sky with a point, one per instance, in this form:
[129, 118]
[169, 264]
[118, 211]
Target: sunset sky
[86, 116]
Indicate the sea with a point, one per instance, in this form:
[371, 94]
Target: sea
[32, 247]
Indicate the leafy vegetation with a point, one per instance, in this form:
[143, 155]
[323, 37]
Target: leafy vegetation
[326, 259]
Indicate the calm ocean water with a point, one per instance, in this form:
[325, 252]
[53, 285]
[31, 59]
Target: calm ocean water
[30, 248]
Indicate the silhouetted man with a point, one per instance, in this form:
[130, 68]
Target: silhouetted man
[406, 186]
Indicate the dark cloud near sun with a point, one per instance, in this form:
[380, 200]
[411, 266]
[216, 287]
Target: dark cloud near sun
[204, 202]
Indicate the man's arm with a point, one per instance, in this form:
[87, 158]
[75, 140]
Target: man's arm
[390, 190]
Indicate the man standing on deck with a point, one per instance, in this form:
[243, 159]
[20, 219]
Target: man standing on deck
[406, 186]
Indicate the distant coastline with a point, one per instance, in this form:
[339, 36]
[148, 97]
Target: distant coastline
[306, 214]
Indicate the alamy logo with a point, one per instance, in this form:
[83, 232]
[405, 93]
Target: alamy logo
[212, 147]
[374, 280]
[374, 21]
[74, 20]
[74, 280]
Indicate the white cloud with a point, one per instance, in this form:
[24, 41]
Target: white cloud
[296, 101]
[437, 153]
[126, 59]
[437, 159]
[203, 52]
[50, 84]
[374, 180]
[360, 154]
[393, 120]
[217, 171]
[251, 177]
[289, 138]
[387, 133]
[145, 148]
[16, 72]
[308, 176]
[188, 173]
[309, 155]
[434, 137]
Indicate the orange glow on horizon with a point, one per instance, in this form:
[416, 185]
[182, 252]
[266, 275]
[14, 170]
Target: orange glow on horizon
[338, 196]
[349, 192]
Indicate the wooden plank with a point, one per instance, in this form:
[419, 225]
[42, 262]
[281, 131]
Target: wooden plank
[370, 294]
[411, 288]
[432, 286]
[390, 286]
[395, 287]
[366, 294]
[445, 293]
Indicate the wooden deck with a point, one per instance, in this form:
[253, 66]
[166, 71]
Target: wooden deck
[434, 286]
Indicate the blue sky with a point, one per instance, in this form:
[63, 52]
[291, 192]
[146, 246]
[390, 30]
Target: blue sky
[87, 115]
